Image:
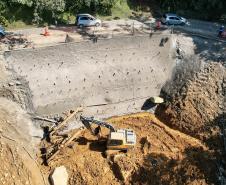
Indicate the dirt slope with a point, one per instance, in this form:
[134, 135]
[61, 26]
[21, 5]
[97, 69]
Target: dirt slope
[17, 134]
[195, 99]
[17, 157]
[161, 156]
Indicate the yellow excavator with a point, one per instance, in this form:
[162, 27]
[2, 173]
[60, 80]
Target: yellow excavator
[118, 140]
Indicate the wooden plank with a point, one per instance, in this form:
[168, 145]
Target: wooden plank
[65, 143]
[45, 119]
[65, 121]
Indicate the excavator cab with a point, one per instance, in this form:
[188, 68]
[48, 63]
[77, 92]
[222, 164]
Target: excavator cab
[122, 139]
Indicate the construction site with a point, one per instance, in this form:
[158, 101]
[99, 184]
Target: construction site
[119, 105]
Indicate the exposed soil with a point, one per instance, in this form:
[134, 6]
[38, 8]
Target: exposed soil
[13, 170]
[161, 156]
[195, 105]
[17, 156]
[195, 99]
[185, 147]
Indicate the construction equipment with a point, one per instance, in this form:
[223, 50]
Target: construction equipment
[59, 141]
[156, 99]
[118, 140]
[66, 120]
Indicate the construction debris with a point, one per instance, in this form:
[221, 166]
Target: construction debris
[59, 176]
[58, 141]
[45, 119]
[13, 41]
[69, 38]
[55, 149]
[70, 116]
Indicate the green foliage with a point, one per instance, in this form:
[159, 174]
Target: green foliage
[23, 2]
[204, 9]
[18, 25]
[3, 21]
[40, 11]
[45, 6]
[3, 9]
[121, 9]
[37, 9]
[102, 7]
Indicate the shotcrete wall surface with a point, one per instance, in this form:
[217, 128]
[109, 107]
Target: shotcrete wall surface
[117, 74]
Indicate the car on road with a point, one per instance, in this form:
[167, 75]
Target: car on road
[173, 19]
[87, 20]
[2, 32]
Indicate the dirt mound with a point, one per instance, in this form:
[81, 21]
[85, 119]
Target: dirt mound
[195, 105]
[13, 170]
[195, 98]
[16, 124]
[17, 164]
[17, 157]
[161, 156]
[14, 41]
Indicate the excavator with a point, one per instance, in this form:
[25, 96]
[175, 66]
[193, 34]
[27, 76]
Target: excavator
[118, 140]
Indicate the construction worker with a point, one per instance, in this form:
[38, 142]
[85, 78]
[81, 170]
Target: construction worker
[221, 30]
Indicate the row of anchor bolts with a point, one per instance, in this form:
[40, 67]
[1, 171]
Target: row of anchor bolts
[107, 92]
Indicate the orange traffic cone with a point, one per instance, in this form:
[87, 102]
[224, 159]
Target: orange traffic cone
[46, 31]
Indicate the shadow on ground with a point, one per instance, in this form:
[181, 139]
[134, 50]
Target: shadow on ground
[148, 105]
[197, 166]
[94, 145]
[209, 48]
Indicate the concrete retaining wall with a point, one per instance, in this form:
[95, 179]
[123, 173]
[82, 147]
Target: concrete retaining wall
[120, 73]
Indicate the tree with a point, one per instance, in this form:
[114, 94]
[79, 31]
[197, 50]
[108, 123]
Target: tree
[37, 7]
[90, 6]
[207, 9]
[54, 6]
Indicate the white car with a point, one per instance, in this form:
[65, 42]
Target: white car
[173, 19]
[87, 20]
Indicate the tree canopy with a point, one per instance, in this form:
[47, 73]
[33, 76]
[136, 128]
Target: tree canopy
[38, 11]
[205, 9]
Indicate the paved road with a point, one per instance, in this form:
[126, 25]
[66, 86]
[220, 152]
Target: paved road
[201, 27]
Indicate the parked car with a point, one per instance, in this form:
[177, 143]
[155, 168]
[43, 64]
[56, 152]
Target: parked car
[2, 32]
[87, 20]
[173, 19]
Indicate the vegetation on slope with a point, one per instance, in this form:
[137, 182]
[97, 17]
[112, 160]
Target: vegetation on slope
[40, 11]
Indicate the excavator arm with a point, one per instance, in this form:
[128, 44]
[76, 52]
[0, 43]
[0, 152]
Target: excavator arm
[88, 121]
